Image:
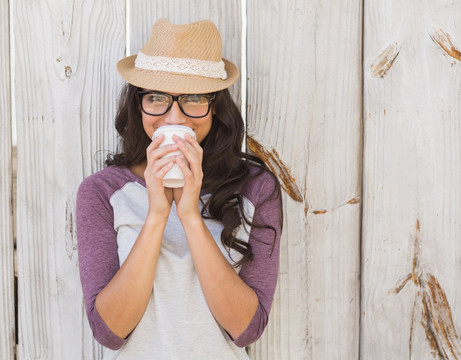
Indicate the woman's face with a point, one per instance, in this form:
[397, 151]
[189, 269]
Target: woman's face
[174, 116]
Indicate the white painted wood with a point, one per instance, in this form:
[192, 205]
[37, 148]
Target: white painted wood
[411, 298]
[66, 91]
[224, 13]
[304, 116]
[304, 111]
[7, 325]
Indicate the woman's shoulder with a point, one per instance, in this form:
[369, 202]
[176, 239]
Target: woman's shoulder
[261, 184]
[107, 180]
[108, 174]
[259, 174]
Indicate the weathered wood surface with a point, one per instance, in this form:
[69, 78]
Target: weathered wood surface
[304, 117]
[412, 181]
[66, 90]
[7, 326]
[224, 13]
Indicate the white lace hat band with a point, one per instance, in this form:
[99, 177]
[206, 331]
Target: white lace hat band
[210, 69]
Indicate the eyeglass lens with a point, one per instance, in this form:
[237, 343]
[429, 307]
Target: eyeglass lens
[191, 105]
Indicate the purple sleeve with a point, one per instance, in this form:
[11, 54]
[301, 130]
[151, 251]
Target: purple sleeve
[97, 253]
[261, 273]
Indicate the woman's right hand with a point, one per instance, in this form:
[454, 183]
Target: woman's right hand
[160, 198]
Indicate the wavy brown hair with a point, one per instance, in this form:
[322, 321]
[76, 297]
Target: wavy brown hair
[226, 169]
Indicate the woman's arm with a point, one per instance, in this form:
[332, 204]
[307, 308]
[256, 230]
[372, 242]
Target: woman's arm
[117, 298]
[241, 302]
[97, 253]
[233, 301]
[261, 273]
[122, 303]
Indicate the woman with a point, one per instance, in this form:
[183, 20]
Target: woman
[183, 273]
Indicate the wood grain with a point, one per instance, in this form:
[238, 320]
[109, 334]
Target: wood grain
[66, 91]
[225, 14]
[304, 114]
[304, 104]
[412, 183]
[7, 323]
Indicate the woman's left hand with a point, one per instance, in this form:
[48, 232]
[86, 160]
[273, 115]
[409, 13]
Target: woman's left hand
[187, 198]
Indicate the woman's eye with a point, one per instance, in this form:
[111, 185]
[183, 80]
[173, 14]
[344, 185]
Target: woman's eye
[157, 99]
[196, 99]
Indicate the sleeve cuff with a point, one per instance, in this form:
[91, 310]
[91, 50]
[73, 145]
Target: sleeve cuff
[253, 331]
[104, 335]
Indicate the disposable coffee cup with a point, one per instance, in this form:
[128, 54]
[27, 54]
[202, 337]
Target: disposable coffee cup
[175, 177]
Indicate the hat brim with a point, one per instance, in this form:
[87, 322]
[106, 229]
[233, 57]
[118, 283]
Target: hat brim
[174, 82]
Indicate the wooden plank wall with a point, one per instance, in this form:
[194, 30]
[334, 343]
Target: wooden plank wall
[66, 91]
[304, 117]
[371, 279]
[7, 324]
[412, 181]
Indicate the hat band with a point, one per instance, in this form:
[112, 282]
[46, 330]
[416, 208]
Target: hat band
[211, 69]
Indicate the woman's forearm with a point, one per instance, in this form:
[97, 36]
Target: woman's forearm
[123, 301]
[232, 302]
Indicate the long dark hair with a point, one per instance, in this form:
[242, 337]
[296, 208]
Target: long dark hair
[226, 168]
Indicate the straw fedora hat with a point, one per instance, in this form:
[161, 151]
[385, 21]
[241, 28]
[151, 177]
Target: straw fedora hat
[183, 59]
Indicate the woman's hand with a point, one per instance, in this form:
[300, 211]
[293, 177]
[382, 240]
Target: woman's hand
[187, 198]
[160, 198]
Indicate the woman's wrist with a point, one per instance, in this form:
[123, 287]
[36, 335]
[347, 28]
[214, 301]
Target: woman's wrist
[153, 220]
[191, 220]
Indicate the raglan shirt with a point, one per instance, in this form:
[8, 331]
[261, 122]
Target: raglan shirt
[111, 209]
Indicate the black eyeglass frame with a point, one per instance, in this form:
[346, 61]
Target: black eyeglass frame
[173, 98]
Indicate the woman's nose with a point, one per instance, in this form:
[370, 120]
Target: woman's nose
[175, 115]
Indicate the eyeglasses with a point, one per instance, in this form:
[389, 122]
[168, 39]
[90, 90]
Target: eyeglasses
[192, 105]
